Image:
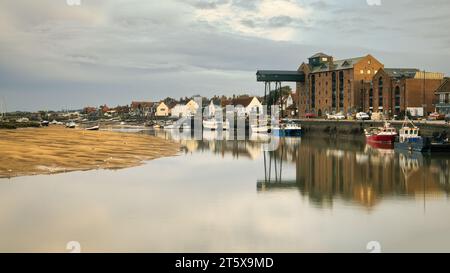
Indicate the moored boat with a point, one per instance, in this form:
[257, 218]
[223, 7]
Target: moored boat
[385, 134]
[410, 140]
[214, 125]
[260, 129]
[71, 125]
[287, 129]
[93, 128]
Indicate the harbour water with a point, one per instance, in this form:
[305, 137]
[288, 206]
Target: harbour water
[310, 195]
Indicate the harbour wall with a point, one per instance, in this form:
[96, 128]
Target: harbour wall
[356, 128]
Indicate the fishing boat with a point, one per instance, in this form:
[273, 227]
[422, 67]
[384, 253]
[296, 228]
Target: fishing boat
[410, 140]
[385, 134]
[214, 125]
[287, 128]
[93, 128]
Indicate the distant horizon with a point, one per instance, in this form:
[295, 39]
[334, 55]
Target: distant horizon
[57, 56]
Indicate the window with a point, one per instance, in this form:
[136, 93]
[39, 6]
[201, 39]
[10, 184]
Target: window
[362, 71]
[380, 93]
[341, 89]
[369, 62]
[333, 90]
[397, 100]
[369, 72]
[324, 59]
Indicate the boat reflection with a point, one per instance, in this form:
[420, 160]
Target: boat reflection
[325, 169]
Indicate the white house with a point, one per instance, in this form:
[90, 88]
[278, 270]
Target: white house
[192, 107]
[179, 111]
[244, 106]
[212, 109]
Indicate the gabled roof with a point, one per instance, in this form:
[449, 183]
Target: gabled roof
[445, 86]
[337, 65]
[401, 72]
[320, 54]
[244, 101]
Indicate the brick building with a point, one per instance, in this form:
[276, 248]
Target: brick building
[334, 85]
[394, 90]
[443, 94]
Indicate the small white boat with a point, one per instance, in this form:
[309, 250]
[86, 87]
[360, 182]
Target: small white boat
[213, 125]
[169, 127]
[71, 125]
[260, 129]
[186, 127]
[93, 128]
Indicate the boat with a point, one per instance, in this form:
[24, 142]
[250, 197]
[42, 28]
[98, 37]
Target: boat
[169, 126]
[185, 127]
[410, 140]
[287, 128]
[260, 129]
[93, 128]
[71, 125]
[213, 125]
[385, 134]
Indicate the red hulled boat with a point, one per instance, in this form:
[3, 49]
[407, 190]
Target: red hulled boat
[385, 134]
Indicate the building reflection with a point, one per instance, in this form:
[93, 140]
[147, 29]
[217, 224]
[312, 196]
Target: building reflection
[327, 169]
[217, 143]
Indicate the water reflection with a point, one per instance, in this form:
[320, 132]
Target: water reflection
[324, 169]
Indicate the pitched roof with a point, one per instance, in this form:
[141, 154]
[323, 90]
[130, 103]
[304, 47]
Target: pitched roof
[141, 104]
[320, 54]
[337, 65]
[445, 86]
[401, 72]
[244, 101]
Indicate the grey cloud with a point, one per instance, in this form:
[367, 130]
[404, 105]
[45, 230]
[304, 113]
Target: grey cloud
[280, 21]
[111, 53]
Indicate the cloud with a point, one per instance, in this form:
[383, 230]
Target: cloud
[118, 50]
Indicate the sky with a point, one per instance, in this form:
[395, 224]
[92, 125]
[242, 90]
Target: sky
[55, 54]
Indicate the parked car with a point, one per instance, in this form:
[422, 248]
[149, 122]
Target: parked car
[338, 116]
[436, 116]
[362, 116]
[447, 118]
[310, 115]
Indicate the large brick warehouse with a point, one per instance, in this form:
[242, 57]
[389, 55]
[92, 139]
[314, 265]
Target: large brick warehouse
[363, 84]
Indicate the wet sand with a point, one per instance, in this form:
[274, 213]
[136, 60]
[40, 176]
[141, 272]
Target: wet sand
[56, 149]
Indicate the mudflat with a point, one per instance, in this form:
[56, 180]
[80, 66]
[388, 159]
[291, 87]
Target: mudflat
[56, 149]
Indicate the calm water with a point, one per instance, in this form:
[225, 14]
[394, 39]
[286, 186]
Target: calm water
[310, 195]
